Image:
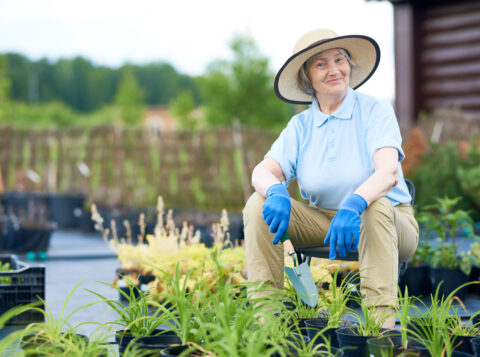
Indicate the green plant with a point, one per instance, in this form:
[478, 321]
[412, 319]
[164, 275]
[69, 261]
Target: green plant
[188, 307]
[301, 310]
[468, 172]
[5, 267]
[235, 328]
[431, 325]
[459, 328]
[444, 221]
[55, 327]
[10, 342]
[405, 304]
[136, 316]
[422, 254]
[370, 318]
[55, 334]
[336, 299]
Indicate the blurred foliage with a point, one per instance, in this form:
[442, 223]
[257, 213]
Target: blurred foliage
[5, 84]
[182, 108]
[441, 221]
[55, 114]
[243, 89]
[129, 99]
[444, 172]
[87, 87]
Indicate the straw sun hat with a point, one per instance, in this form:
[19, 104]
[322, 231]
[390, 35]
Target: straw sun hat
[363, 50]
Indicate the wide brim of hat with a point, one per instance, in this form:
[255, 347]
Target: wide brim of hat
[364, 52]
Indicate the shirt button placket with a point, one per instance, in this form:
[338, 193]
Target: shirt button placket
[332, 140]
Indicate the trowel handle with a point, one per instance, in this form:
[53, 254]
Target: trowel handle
[287, 245]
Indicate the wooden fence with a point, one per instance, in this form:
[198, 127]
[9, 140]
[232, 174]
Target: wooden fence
[207, 169]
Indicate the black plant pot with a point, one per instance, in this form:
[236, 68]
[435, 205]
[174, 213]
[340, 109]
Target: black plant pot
[63, 207]
[450, 279]
[475, 342]
[146, 278]
[463, 344]
[474, 276]
[461, 354]
[391, 346]
[27, 203]
[84, 220]
[155, 342]
[33, 238]
[294, 339]
[417, 280]
[314, 326]
[9, 234]
[353, 344]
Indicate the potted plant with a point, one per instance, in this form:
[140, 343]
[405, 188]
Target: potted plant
[369, 321]
[55, 334]
[462, 333]
[63, 206]
[395, 344]
[447, 265]
[416, 277]
[475, 273]
[141, 319]
[334, 303]
[431, 327]
[476, 345]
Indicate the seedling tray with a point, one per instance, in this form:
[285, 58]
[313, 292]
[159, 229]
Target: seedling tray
[21, 285]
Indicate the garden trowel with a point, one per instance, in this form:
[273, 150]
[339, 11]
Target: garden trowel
[300, 276]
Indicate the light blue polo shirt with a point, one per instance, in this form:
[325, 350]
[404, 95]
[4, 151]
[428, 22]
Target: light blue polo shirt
[332, 155]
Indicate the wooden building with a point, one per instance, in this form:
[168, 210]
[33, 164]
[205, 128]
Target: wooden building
[437, 57]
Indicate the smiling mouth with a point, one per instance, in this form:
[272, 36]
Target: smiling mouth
[334, 80]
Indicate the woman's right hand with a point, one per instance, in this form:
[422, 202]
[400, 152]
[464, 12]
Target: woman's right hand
[276, 211]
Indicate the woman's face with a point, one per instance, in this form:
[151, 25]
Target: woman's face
[330, 74]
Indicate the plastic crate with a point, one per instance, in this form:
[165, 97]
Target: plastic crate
[21, 285]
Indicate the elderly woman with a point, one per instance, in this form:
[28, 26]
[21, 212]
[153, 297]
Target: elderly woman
[345, 152]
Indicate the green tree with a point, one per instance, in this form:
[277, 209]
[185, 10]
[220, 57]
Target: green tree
[129, 98]
[5, 84]
[243, 89]
[182, 108]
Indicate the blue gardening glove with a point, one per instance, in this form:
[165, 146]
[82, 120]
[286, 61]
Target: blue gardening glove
[344, 230]
[276, 211]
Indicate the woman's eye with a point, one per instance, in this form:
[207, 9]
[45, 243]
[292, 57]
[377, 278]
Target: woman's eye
[339, 60]
[320, 64]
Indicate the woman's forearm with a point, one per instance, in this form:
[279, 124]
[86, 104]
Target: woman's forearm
[266, 174]
[384, 178]
[377, 185]
[262, 179]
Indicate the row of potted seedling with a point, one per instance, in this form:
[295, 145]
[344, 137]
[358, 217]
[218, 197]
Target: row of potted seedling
[226, 320]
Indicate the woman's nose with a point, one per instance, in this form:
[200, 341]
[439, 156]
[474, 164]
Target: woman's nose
[333, 68]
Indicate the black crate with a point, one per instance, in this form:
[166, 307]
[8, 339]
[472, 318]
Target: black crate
[21, 285]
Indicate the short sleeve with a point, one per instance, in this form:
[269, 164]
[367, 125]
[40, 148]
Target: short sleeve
[382, 130]
[285, 149]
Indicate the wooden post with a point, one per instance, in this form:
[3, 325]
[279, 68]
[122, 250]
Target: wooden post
[238, 143]
[2, 187]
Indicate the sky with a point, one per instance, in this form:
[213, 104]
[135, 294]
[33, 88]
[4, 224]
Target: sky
[189, 34]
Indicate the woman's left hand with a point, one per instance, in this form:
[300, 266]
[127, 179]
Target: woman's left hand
[344, 230]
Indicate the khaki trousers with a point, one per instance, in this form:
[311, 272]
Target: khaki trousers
[388, 236]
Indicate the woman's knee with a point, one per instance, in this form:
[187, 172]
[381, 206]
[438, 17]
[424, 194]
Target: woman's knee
[253, 208]
[380, 210]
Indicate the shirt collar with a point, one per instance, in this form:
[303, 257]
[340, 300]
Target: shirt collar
[344, 112]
